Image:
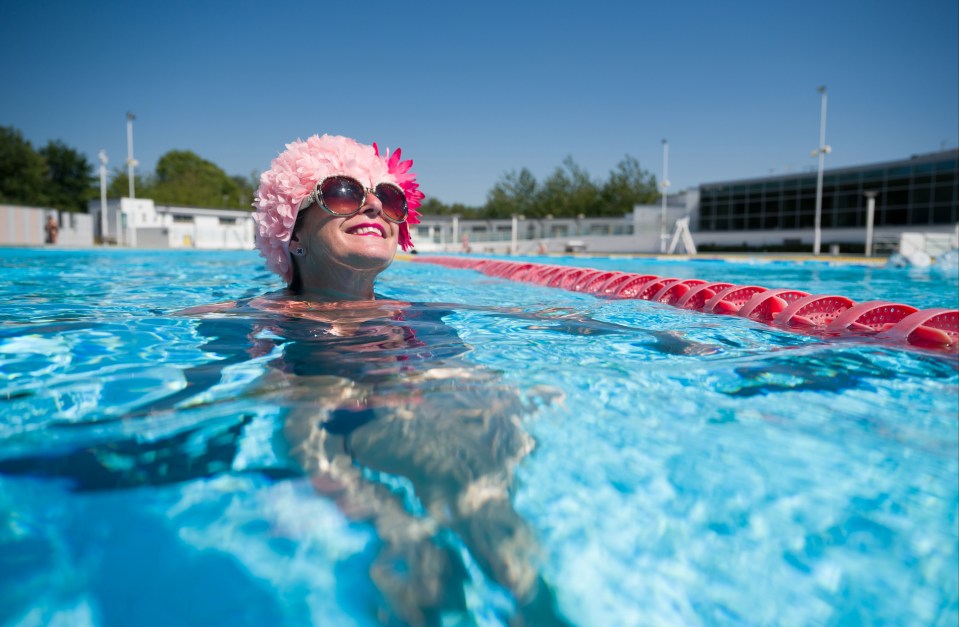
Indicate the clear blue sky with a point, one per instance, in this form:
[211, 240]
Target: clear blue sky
[472, 90]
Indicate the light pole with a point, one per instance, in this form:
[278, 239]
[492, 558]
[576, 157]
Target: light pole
[131, 162]
[665, 185]
[870, 215]
[102, 155]
[822, 151]
[515, 233]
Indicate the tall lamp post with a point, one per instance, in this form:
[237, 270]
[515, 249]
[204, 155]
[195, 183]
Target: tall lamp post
[870, 217]
[102, 156]
[663, 236]
[514, 233]
[821, 151]
[131, 162]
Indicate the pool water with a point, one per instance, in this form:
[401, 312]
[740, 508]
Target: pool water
[664, 466]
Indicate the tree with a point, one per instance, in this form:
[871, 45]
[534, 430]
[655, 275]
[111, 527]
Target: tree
[119, 186]
[183, 177]
[23, 172]
[568, 192]
[515, 193]
[70, 177]
[628, 185]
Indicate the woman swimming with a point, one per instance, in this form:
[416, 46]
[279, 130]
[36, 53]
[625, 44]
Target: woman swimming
[330, 214]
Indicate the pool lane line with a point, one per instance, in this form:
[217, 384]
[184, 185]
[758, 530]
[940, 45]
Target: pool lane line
[824, 315]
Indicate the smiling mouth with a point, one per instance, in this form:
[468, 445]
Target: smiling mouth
[367, 230]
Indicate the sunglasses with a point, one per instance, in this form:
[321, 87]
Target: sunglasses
[344, 196]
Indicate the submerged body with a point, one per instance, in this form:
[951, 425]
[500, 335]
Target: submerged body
[379, 391]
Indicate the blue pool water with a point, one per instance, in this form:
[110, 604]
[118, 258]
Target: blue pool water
[670, 467]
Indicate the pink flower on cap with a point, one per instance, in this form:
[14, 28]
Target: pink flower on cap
[411, 189]
[294, 174]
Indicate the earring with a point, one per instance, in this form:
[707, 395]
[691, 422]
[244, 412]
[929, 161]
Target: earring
[298, 252]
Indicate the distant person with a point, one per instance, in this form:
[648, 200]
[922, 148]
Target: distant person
[541, 248]
[52, 230]
[466, 243]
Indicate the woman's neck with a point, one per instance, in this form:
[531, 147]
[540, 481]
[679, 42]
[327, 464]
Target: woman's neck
[338, 284]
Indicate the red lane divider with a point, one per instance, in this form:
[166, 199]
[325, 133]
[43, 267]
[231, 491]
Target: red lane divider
[696, 298]
[790, 309]
[765, 306]
[731, 300]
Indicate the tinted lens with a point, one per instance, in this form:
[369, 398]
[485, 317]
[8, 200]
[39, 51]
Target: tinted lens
[393, 201]
[342, 195]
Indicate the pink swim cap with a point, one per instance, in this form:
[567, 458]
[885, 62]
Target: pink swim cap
[294, 174]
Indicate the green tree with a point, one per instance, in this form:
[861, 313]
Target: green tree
[515, 193]
[628, 185]
[434, 207]
[69, 175]
[245, 189]
[568, 192]
[23, 172]
[183, 177]
[119, 186]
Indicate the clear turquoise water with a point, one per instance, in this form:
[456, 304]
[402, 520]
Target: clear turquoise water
[687, 469]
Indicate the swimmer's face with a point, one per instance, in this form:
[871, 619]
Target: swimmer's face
[365, 241]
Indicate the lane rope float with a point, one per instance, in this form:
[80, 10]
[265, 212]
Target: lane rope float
[793, 310]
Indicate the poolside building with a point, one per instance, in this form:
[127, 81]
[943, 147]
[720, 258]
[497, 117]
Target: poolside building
[141, 223]
[777, 212]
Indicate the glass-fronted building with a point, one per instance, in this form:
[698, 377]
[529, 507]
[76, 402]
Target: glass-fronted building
[912, 194]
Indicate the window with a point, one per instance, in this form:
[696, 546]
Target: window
[943, 194]
[182, 218]
[919, 215]
[943, 214]
[847, 201]
[227, 221]
[897, 197]
[847, 219]
[922, 174]
[921, 196]
[899, 173]
[897, 216]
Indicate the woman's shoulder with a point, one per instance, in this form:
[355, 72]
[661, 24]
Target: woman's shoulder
[284, 304]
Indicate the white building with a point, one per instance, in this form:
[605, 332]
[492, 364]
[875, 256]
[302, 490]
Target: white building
[140, 223]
